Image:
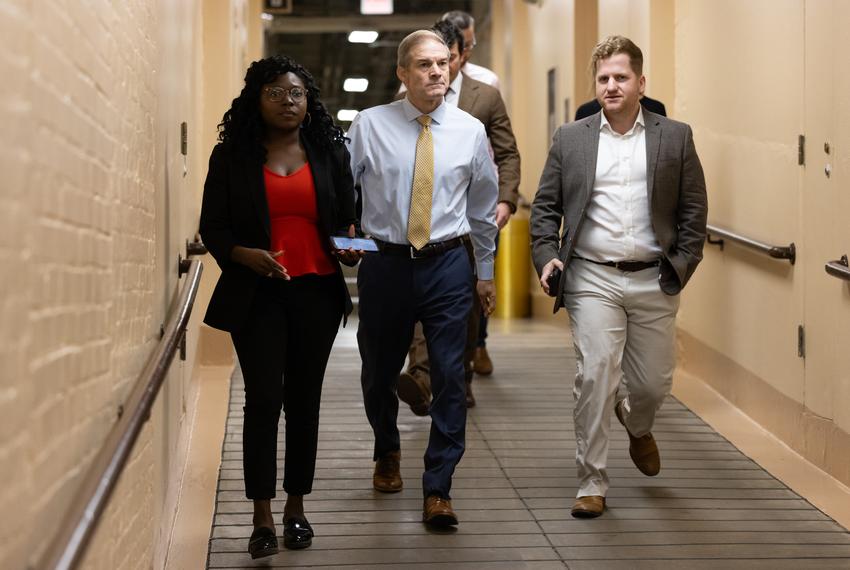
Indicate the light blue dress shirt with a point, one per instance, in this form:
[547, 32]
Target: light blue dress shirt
[383, 153]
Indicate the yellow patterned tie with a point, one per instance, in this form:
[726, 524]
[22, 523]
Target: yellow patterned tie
[419, 217]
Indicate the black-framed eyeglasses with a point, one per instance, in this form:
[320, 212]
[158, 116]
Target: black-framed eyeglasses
[275, 94]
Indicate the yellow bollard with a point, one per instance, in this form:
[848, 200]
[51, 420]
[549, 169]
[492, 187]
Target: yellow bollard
[513, 264]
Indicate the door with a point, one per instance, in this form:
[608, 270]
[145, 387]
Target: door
[825, 203]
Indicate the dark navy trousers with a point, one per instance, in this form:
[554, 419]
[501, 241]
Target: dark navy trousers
[395, 292]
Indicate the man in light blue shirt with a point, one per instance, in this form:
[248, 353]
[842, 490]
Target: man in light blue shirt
[432, 284]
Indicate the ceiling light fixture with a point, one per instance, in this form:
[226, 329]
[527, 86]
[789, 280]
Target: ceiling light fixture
[355, 84]
[372, 7]
[362, 37]
[346, 114]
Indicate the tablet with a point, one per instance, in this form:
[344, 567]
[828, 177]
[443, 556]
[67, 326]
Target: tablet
[365, 244]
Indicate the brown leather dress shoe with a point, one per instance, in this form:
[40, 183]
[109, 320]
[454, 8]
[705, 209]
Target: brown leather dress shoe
[588, 507]
[438, 511]
[642, 450]
[470, 398]
[387, 477]
[481, 362]
[413, 393]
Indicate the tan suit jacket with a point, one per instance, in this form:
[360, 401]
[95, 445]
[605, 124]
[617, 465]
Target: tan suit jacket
[485, 104]
[675, 186]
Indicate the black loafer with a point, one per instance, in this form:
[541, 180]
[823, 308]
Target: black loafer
[262, 543]
[297, 533]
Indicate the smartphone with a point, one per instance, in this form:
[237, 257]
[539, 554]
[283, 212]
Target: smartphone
[365, 244]
[553, 280]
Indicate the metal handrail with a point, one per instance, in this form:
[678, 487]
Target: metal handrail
[839, 268]
[66, 549]
[788, 252]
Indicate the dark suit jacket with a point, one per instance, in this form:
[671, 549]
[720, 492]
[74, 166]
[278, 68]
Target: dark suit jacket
[592, 107]
[235, 212]
[484, 102]
[675, 184]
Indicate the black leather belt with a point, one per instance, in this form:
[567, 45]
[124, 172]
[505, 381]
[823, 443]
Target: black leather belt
[623, 265]
[429, 250]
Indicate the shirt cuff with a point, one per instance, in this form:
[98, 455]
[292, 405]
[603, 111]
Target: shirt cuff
[485, 271]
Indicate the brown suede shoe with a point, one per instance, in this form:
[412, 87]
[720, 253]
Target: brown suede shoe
[438, 511]
[481, 362]
[412, 392]
[588, 507]
[642, 450]
[387, 477]
[470, 398]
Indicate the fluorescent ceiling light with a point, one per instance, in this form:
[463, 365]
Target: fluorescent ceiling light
[376, 7]
[355, 84]
[362, 37]
[346, 114]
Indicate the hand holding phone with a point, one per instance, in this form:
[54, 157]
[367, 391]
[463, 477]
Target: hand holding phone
[553, 280]
[357, 244]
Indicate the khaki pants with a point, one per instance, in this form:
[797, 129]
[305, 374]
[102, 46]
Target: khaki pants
[623, 327]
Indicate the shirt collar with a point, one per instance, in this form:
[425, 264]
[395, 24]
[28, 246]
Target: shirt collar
[638, 121]
[411, 113]
[455, 85]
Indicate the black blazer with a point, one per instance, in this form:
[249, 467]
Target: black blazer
[235, 212]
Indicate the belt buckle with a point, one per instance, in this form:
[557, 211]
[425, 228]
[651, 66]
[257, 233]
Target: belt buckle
[414, 254]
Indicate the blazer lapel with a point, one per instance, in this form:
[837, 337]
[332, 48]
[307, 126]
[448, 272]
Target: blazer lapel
[468, 95]
[253, 173]
[653, 144]
[323, 182]
[591, 152]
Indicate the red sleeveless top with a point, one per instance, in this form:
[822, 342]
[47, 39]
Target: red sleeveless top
[295, 223]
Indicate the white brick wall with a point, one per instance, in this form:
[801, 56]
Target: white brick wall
[78, 303]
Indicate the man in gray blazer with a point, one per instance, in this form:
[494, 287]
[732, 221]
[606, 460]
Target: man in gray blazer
[629, 188]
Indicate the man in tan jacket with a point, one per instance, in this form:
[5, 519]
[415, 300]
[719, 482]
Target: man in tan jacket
[485, 104]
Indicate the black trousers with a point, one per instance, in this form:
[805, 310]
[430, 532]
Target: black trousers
[283, 350]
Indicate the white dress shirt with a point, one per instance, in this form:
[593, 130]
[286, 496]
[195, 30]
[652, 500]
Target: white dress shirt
[481, 73]
[383, 154]
[453, 92]
[618, 225]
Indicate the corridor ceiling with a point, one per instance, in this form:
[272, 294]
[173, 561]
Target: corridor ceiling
[315, 34]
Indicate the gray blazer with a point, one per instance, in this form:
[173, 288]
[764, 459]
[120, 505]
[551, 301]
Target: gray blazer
[676, 188]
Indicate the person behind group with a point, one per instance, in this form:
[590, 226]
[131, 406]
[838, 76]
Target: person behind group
[426, 182]
[485, 104]
[481, 361]
[466, 24]
[592, 107]
[628, 186]
[279, 184]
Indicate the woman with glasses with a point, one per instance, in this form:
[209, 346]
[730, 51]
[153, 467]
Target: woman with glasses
[279, 185]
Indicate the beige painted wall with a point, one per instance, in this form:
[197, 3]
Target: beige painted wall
[742, 307]
[96, 203]
[740, 304]
[541, 38]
